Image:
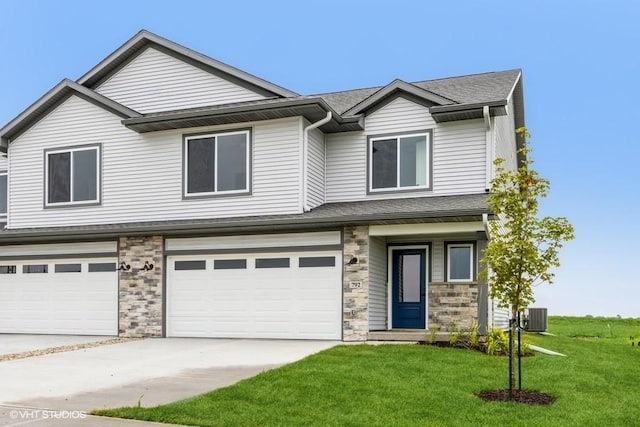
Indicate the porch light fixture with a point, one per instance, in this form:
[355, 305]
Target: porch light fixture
[147, 266]
[124, 266]
[353, 261]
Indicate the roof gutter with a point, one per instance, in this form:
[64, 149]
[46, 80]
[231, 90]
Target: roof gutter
[305, 158]
[462, 107]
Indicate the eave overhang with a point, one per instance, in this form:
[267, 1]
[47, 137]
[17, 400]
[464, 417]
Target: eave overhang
[313, 109]
[232, 227]
[449, 113]
[333, 215]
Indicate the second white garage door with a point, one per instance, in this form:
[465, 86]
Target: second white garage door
[269, 295]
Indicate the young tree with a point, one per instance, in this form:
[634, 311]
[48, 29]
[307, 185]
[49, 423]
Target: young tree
[523, 248]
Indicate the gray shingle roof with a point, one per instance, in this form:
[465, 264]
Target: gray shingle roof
[419, 209]
[476, 88]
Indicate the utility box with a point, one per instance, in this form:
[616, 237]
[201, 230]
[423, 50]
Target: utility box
[536, 320]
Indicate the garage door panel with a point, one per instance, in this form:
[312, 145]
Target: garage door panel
[271, 302]
[59, 302]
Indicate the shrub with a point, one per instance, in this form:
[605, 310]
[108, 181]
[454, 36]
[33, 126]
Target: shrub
[454, 335]
[433, 333]
[473, 337]
[497, 342]
[464, 338]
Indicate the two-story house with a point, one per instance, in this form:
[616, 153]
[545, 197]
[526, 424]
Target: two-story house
[165, 193]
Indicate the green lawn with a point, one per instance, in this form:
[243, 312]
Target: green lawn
[597, 384]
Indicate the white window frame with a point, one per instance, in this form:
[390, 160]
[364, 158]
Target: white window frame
[71, 150]
[471, 261]
[397, 137]
[3, 216]
[185, 174]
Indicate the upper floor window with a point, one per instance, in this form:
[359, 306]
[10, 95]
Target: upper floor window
[460, 258]
[400, 162]
[72, 176]
[217, 163]
[3, 194]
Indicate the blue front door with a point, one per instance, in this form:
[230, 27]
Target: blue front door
[408, 287]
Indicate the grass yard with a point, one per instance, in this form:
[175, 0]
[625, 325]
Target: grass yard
[403, 385]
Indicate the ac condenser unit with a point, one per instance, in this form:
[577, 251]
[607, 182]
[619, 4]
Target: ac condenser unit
[536, 320]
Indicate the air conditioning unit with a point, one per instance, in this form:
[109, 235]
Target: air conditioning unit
[536, 320]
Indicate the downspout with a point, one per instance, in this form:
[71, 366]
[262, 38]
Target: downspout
[489, 301]
[488, 147]
[5, 155]
[485, 223]
[305, 155]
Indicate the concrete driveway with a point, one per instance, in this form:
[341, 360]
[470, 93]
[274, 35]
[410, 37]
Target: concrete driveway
[151, 371]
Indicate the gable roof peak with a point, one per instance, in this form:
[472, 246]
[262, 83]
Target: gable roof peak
[398, 86]
[50, 100]
[144, 39]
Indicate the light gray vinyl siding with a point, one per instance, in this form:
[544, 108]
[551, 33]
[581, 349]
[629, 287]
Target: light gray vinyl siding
[155, 81]
[437, 260]
[459, 159]
[142, 174]
[505, 137]
[315, 168]
[3, 163]
[500, 316]
[346, 166]
[377, 284]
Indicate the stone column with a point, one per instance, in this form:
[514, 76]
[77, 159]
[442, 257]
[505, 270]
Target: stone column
[140, 291]
[355, 287]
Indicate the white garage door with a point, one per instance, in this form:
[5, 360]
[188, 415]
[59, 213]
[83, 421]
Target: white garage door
[267, 295]
[59, 296]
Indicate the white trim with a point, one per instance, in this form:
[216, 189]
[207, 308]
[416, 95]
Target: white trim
[97, 148]
[427, 184]
[215, 192]
[59, 249]
[316, 238]
[471, 260]
[426, 228]
[390, 250]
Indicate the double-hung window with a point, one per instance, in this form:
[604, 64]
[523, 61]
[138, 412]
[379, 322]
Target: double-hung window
[217, 163]
[400, 162]
[460, 260]
[3, 195]
[72, 176]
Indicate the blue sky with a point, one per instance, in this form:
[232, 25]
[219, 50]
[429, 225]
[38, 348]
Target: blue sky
[580, 61]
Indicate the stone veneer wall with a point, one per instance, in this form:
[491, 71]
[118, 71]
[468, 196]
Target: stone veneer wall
[452, 305]
[355, 309]
[140, 291]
